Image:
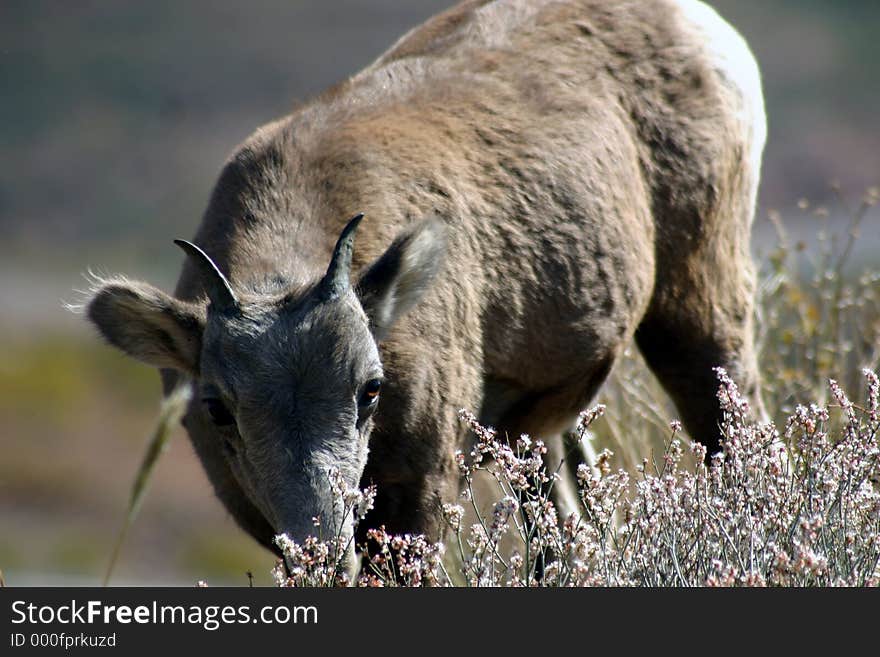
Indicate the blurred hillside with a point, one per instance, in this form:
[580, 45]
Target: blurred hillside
[116, 117]
[114, 122]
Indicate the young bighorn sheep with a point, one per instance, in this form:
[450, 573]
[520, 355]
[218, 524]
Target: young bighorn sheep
[540, 182]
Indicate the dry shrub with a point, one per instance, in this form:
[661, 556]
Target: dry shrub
[794, 508]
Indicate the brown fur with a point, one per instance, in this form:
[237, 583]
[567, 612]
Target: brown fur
[597, 179]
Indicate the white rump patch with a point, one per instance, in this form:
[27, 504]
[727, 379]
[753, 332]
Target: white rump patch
[735, 63]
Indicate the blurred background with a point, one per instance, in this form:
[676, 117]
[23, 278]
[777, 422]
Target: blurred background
[115, 119]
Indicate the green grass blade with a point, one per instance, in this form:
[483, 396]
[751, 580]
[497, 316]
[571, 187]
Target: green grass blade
[172, 409]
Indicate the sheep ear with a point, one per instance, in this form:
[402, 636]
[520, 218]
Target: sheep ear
[149, 325]
[397, 280]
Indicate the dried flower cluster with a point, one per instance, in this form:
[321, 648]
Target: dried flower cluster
[323, 559]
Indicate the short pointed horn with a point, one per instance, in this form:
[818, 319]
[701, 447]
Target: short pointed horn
[336, 280]
[218, 288]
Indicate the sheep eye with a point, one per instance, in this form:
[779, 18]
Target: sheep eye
[218, 412]
[370, 394]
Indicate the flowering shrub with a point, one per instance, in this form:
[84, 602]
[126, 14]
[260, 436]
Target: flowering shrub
[794, 507]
